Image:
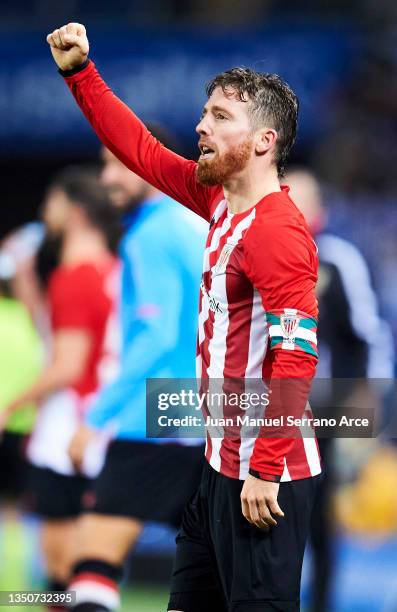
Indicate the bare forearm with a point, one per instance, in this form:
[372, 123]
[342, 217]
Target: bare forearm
[51, 380]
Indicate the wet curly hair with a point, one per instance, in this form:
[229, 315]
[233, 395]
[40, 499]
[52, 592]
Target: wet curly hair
[272, 103]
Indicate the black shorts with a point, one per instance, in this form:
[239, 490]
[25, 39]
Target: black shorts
[225, 564]
[55, 496]
[13, 465]
[149, 482]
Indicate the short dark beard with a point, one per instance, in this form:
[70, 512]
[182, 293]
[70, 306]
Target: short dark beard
[219, 170]
[132, 202]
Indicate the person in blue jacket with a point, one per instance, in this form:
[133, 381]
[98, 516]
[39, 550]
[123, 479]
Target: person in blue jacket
[142, 479]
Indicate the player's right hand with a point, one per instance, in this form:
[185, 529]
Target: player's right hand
[78, 445]
[69, 45]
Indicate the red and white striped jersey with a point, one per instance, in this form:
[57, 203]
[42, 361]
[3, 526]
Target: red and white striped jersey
[257, 265]
[258, 310]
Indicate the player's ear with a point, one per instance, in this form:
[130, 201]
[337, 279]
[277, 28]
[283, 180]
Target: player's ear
[264, 140]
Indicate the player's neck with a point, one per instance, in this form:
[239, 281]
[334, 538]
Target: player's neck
[83, 244]
[247, 189]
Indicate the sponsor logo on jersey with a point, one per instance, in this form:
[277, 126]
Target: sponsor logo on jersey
[212, 302]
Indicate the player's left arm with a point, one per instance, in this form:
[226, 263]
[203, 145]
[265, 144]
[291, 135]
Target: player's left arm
[61, 372]
[281, 262]
[72, 303]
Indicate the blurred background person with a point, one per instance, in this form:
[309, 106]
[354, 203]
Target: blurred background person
[22, 244]
[20, 363]
[354, 344]
[142, 479]
[80, 295]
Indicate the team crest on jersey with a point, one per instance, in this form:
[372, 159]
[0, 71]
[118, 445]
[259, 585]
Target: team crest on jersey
[223, 259]
[289, 325]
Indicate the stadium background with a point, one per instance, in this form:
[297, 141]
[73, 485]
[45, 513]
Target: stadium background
[342, 61]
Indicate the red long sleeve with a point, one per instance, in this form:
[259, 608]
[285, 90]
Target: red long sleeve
[281, 263]
[125, 135]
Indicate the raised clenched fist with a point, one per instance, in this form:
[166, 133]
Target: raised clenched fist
[69, 45]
